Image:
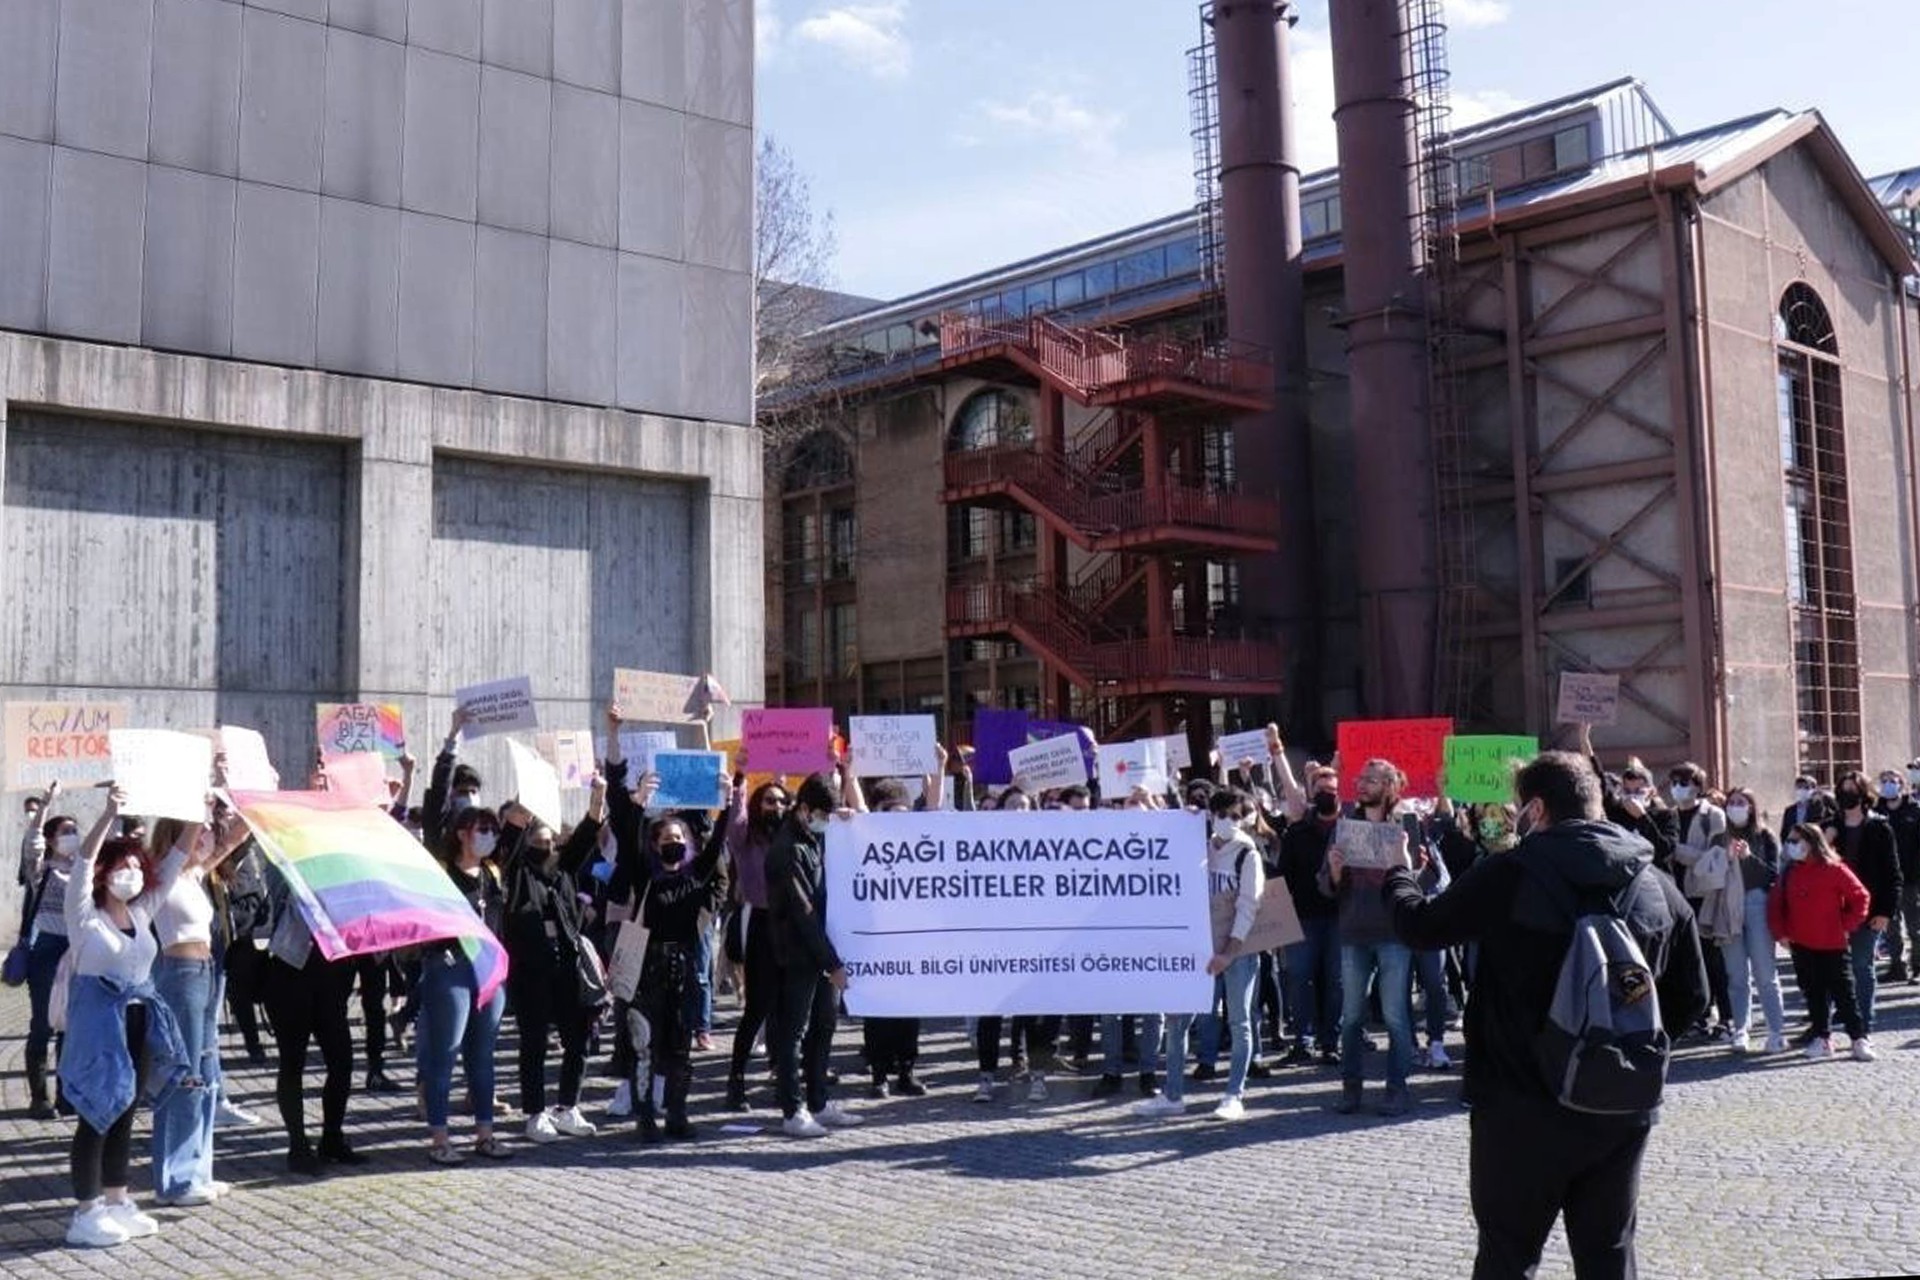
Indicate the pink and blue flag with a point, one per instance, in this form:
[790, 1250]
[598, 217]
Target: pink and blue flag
[363, 884]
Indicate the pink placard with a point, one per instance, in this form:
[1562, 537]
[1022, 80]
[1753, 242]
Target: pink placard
[792, 741]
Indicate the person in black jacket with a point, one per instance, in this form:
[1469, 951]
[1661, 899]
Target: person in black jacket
[542, 935]
[1532, 1159]
[1866, 844]
[1313, 963]
[677, 888]
[811, 975]
[1898, 805]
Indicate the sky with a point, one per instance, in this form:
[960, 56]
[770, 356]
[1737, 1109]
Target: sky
[950, 136]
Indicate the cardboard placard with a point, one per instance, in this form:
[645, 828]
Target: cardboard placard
[1276, 923]
[690, 779]
[1416, 747]
[894, 746]
[361, 776]
[64, 742]
[787, 740]
[165, 774]
[342, 728]
[1126, 765]
[1248, 744]
[571, 753]
[499, 706]
[656, 697]
[1050, 764]
[1588, 697]
[536, 784]
[1369, 846]
[1479, 767]
[248, 766]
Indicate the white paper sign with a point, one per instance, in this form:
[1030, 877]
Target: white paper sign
[248, 766]
[985, 918]
[894, 746]
[165, 774]
[638, 747]
[536, 784]
[1126, 765]
[1179, 751]
[500, 706]
[1250, 744]
[1050, 764]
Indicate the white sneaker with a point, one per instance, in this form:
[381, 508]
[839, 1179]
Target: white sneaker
[1159, 1107]
[1741, 1043]
[622, 1105]
[126, 1214]
[94, 1228]
[1437, 1056]
[540, 1129]
[1863, 1049]
[1819, 1049]
[1230, 1108]
[569, 1122]
[217, 1188]
[838, 1117]
[1776, 1043]
[1037, 1091]
[232, 1117]
[985, 1092]
[802, 1125]
[191, 1198]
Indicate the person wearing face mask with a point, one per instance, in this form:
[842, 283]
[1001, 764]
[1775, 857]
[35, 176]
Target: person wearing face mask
[752, 821]
[122, 1040]
[1816, 906]
[452, 1023]
[544, 947]
[676, 888]
[811, 975]
[451, 788]
[892, 1045]
[45, 929]
[1632, 802]
[306, 999]
[1707, 878]
[1866, 844]
[1749, 954]
[1903, 815]
[1313, 963]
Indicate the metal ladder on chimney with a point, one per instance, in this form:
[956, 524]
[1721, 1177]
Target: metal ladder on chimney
[1203, 80]
[1429, 87]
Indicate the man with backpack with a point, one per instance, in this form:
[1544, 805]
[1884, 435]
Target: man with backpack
[1586, 962]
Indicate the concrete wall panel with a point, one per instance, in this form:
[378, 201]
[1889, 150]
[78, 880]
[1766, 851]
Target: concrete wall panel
[510, 307]
[439, 168]
[718, 378]
[93, 273]
[282, 86]
[196, 86]
[582, 353]
[653, 144]
[26, 184]
[311, 10]
[187, 293]
[384, 18]
[276, 275]
[359, 287]
[653, 59]
[29, 34]
[586, 43]
[450, 26]
[585, 196]
[516, 139]
[720, 59]
[366, 99]
[105, 64]
[719, 195]
[436, 299]
[653, 328]
[518, 34]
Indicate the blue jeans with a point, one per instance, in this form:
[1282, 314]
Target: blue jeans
[1750, 962]
[1860, 947]
[1430, 968]
[451, 1026]
[1313, 982]
[1394, 963]
[183, 1120]
[1147, 1046]
[43, 961]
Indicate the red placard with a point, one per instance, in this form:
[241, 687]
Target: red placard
[1417, 747]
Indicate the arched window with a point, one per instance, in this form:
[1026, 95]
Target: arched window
[1819, 536]
[988, 420]
[821, 461]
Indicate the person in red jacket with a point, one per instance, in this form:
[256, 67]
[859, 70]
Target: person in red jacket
[1816, 904]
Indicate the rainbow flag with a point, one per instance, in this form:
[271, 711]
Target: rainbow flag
[362, 883]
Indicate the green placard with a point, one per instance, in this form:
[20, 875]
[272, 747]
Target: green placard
[1479, 769]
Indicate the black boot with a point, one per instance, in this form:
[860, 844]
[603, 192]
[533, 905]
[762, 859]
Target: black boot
[737, 1092]
[678, 1085]
[38, 1106]
[334, 1149]
[645, 1121]
[908, 1087]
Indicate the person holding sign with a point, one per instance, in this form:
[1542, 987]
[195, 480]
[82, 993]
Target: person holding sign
[122, 1041]
[451, 788]
[751, 823]
[550, 978]
[1313, 963]
[1367, 943]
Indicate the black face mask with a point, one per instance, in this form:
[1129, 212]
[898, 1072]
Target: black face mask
[671, 853]
[1326, 804]
[1849, 800]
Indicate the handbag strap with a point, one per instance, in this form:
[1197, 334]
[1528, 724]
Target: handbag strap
[32, 911]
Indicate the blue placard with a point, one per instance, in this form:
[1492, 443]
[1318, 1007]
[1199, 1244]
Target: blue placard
[690, 779]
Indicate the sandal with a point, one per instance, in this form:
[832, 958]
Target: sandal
[492, 1148]
[448, 1154]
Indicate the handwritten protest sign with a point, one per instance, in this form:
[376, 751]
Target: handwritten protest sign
[1049, 764]
[1589, 697]
[1249, 744]
[499, 706]
[248, 766]
[1370, 846]
[361, 776]
[342, 728]
[165, 774]
[570, 752]
[792, 740]
[995, 734]
[1041, 730]
[894, 746]
[987, 919]
[1416, 747]
[536, 784]
[655, 696]
[1179, 752]
[1275, 921]
[1479, 768]
[690, 779]
[61, 742]
[1126, 765]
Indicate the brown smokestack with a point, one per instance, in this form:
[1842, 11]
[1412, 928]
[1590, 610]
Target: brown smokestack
[1265, 289]
[1387, 355]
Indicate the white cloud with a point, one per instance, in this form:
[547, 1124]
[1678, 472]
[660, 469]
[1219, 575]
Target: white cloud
[1313, 99]
[870, 36]
[1473, 108]
[767, 29]
[1051, 116]
[1477, 13]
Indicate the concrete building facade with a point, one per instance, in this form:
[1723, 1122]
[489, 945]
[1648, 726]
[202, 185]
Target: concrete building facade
[365, 349]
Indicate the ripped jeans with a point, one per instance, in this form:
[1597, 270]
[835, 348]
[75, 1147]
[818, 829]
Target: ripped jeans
[183, 1121]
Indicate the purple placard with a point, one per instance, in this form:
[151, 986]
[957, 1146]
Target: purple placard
[994, 734]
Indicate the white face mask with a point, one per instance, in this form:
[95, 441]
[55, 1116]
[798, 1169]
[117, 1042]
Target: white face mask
[1738, 814]
[817, 825]
[1802, 794]
[66, 846]
[1795, 851]
[484, 843]
[126, 883]
[1224, 828]
[1913, 777]
[1682, 793]
[1889, 791]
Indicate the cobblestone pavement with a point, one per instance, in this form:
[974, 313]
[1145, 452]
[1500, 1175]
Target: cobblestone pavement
[1769, 1168]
